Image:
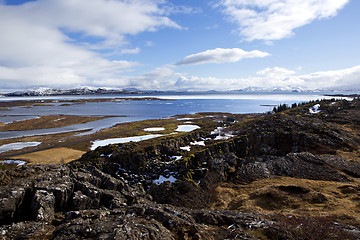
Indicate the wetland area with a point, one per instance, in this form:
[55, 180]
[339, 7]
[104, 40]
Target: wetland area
[75, 122]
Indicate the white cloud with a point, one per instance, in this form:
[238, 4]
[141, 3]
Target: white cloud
[36, 47]
[276, 19]
[160, 78]
[39, 76]
[276, 71]
[109, 20]
[215, 26]
[220, 55]
[149, 44]
[130, 51]
[271, 78]
[345, 79]
[166, 78]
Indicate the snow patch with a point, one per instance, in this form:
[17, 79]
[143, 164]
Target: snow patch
[187, 148]
[185, 119]
[17, 146]
[59, 119]
[221, 135]
[224, 137]
[176, 158]
[198, 143]
[162, 179]
[17, 162]
[154, 129]
[186, 128]
[315, 109]
[105, 142]
[218, 130]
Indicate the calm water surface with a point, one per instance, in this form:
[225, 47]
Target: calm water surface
[127, 110]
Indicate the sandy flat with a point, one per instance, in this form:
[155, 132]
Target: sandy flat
[50, 156]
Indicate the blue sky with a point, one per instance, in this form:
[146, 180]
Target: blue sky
[180, 45]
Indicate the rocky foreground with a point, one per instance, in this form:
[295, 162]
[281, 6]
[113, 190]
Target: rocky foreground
[290, 175]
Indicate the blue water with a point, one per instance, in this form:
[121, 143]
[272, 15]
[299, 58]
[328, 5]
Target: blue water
[127, 111]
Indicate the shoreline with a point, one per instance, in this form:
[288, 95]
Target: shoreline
[75, 141]
[81, 138]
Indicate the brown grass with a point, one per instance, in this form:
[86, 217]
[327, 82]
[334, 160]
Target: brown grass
[350, 155]
[47, 122]
[291, 196]
[51, 156]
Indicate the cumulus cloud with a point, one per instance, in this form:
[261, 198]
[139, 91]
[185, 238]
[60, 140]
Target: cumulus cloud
[130, 51]
[163, 77]
[275, 71]
[37, 47]
[343, 79]
[166, 77]
[276, 19]
[272, 78]
[108, 20]
[220, 55]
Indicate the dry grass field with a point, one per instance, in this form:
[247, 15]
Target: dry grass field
[51, 156]
[292, 196]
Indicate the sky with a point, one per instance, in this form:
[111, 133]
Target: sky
[196, 45]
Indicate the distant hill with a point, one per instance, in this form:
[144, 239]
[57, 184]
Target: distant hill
[74, 91]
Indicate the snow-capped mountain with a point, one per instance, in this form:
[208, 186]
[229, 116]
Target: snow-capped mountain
[43, 91]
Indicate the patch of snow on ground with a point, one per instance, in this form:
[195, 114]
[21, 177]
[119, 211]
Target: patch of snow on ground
[187, 148]
[218, 130]
[162, 179]
[221, 135]
[186, 128]
[184, 119]
[105, 142]
[198, 143]
[176, 158]
[17, 162]
[17, 146]
[154, 129]
[59, 119]
[315, 109]
[225, 137]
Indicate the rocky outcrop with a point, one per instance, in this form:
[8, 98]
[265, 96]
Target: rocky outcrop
[89, 203]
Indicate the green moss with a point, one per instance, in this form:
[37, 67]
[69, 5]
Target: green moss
[2, 167]
[257, 234]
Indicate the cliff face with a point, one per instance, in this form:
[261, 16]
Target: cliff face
[276, 173]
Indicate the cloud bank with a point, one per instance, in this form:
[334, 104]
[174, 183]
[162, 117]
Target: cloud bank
[37, 47]
[277, 78]
[276, 19]
[167, 78]
[220, 55]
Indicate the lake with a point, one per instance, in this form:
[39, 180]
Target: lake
[129, 110]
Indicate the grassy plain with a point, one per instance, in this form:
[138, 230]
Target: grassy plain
[291, 196]
[51, 156]
[51, 121]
